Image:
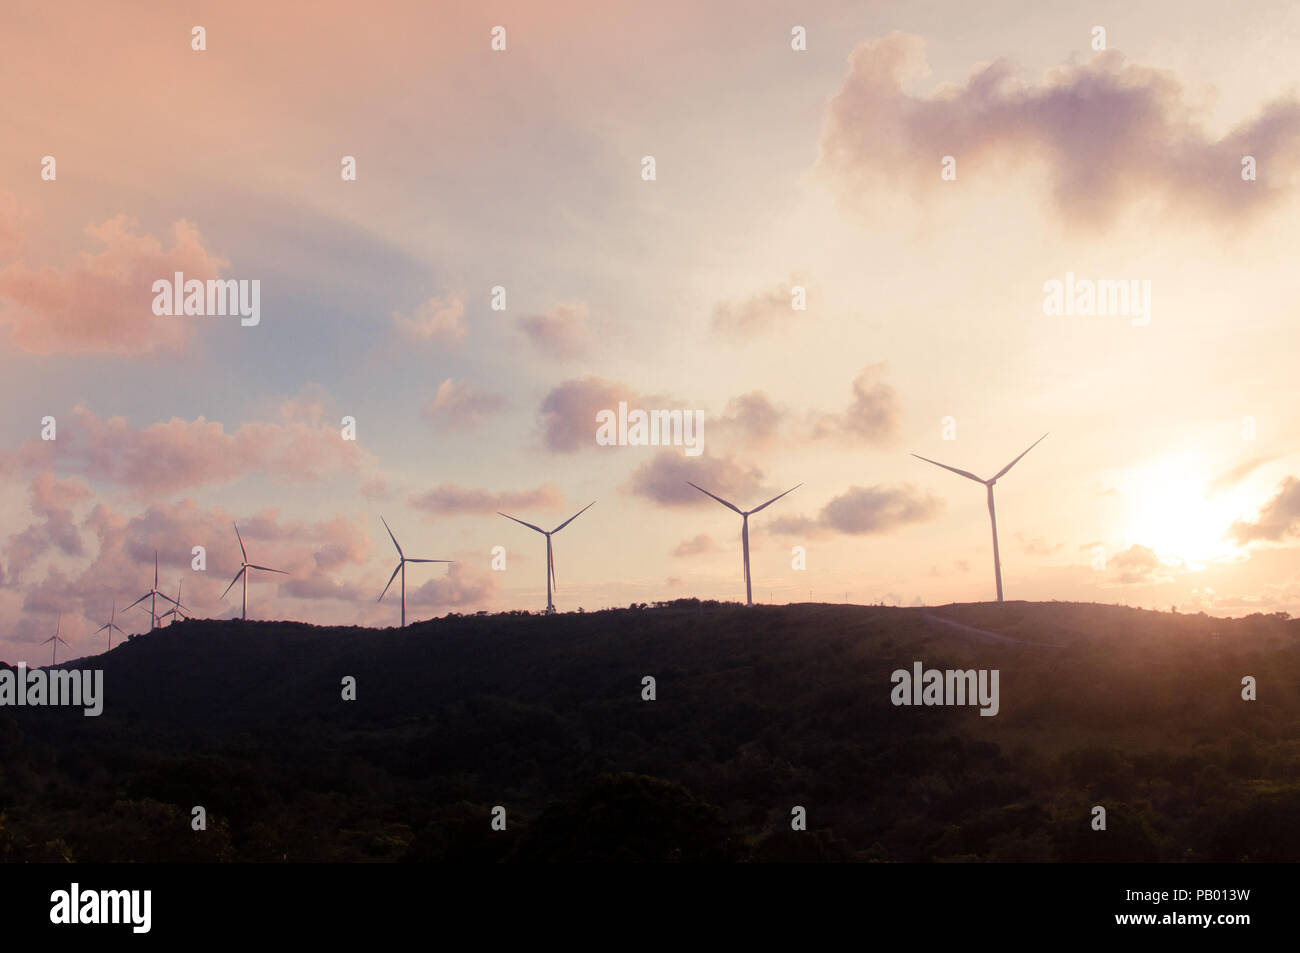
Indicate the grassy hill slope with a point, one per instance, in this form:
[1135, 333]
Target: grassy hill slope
[757, 711]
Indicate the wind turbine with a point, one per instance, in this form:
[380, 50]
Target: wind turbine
[152, 595]
[744, 528]
[54, 649]
[402, 560]
[175, 611]
[993, 520]
[550, 558]
[243, 571]
[111, 624]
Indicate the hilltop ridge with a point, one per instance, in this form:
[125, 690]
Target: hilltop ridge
[756, 711]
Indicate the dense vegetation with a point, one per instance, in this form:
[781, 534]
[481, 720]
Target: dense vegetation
[757, 711]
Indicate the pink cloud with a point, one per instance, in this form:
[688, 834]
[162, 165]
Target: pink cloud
[52, 500]
[753, 418]
[759, 312]
[103, 302]
[451, 500]
[696, 545]
[461, 586]
[459, 405]
[663, 479]
[862, 511]
[314, 553]
[567, 414]
[560, 332]
[1107, 133]
[437, 320]
[176, 454]
[374, 488]
[1277, 519]
[874, 416]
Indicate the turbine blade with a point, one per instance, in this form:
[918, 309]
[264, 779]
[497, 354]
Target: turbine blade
[50, 639]
[430, 560]
[574, 517]
[393, 538]
[774, 499]
[966, 473]
[268, 569]
[1017, 459]
[730, 506]
[101, 628]
[529, 525]
[390, 581]
[168, 598]
[138, 601]
[232, 583]
[241, 541]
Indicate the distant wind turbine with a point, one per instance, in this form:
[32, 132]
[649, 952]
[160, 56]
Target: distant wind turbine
[243, 571]
[54, 649]
[152, 595]
[176, 611]
[402, 560]
[744, 529]
[550, 558]
[111, 624]
[993, 520]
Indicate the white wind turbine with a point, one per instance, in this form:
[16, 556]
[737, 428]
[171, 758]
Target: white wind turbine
[243, 571]
[993, 520]
[111, 624]
[550, 558]
[744, 528]
[152, 595]
[176, 611]
[54, 649]
[402, 560]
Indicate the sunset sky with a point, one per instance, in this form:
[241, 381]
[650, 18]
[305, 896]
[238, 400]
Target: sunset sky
[1174, 448]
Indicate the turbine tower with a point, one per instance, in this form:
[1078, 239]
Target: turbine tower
[243, 571]
[54, 649]
[993, 520]
[152, 595]
[402, 560]
[111, 624]
[550, 558]
[175, 611]
[744, 529]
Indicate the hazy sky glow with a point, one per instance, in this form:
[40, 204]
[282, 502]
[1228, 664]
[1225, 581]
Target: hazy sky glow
[1172, 450]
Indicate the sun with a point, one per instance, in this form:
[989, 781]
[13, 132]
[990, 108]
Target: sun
[1173, 512]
